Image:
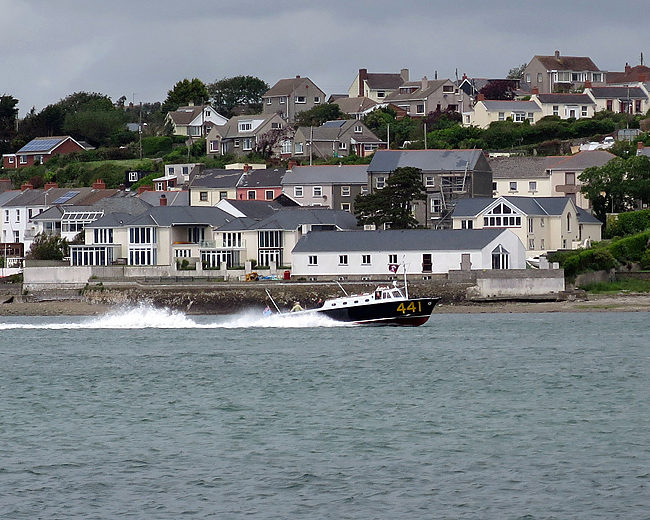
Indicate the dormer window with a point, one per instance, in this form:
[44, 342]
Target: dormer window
[245, 126]
[358, 129]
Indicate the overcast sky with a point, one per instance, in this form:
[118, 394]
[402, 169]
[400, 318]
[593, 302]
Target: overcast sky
[141, 48]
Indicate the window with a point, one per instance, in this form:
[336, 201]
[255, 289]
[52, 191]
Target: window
[301, 99]
[297, 191]
[540, 77]
[345, 206]
[447, 88]
[317, 191]
[513, 186]
[203, 196]
[245, 126]
[610, 105]
[11, 160]
[160, 186]
[133, 176]
[143, 235]
[568, 222]
[269, 101]
[419, 109]
[103, 236]
[17, 215]
[316, 99]
[531, 243]
[637, 105]
[541, 243]
[556, 110]
[223, 195]
[528, 78]
[298, 147]
[380, 182]
[564, 76]
[531, 117]
[532, 186]
[276, 126]
[16, 236]
[519, 117]
[286, 147]
[467, 224]
[6, 215]
[343, 146]
[268, 239]
[597, 77]
[392, 259]
[530, 225]
[358, 129]
[23, 159]
[569, 178]
[364, 190]
[436, 205]
[494, 186]
[268, 194]
[343, 259]
[247, 144]
[251, 194]
[345, 191]
[283, 100]
[502, 116]
[583, 111]
[365, 259]
[30, 213]
[429, 181]
[500, 258]
[381, 94]
[312, 260]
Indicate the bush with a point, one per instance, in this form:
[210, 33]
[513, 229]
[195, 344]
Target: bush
[628, 224]
[589, 260]
[630, 249]
[645, 260]
[152, 146]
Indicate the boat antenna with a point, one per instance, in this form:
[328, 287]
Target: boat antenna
[344, 291]
[273, 301]
[406, 286]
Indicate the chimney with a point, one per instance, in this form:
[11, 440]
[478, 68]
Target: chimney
[297, 76]
[480, 97]
[163, 200]
[628, 69]
[639, 145]
[291, 165]
[99, 184]
[49, 185]
[557, 55]
[5, 185]
[535, 91]
[587, 84]
[464, 76]
[363, 76]
[142, 189]
[404, 73]
[425, 83]
[247, 168]
[27, 186]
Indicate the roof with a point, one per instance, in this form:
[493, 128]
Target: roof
[174, 198]
[397, 240]
[354, 105]
[269, 178]
[217, 178]
[618, 92]
[581, 99]
[167, 216]
[525, 106]
[333, 130]
[185, 115]
[231, 128]
[253, 209]
[420, 93]
[517, 167]
[545, 206]
[581, 160]
[426, 160]
[45, 144]
[6, 196]
[586, 218]
[286, 87]
[631, 74]
[381, 80]
[353, 174]
[290, 218]
[558, 62]
[67, 196]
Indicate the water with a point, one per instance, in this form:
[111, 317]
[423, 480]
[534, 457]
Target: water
[148, 414]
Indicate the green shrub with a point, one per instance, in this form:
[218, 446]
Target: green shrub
[645, 260]
[152, 146]
[628, 223]
[589, 260]
[630, 249]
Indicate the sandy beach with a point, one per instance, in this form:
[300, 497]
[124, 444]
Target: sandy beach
[594, 303]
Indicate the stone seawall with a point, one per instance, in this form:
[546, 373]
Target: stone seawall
[224, 298]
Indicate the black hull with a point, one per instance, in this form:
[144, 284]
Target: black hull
[412, 312]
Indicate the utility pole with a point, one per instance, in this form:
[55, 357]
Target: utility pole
[425, 136]
[140, 128]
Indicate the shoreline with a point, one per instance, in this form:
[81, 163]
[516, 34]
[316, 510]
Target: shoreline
[594, 303]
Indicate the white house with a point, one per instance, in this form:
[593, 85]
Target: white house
[425, 252]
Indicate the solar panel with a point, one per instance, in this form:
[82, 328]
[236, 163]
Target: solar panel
[65, 198]
[39, 145]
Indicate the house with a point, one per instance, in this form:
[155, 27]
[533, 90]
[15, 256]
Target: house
[447, 175]
[564, 105]
[214, 185]
[334, 187]
[486, 112]
[356, 107]
[631, 75]
[642, 150]
[41, 149]
[260, 184]
[288, 97]
[418, 98]
[376, 86]
[170, 198]
[272, 239]
[336, 139]
[242, 134]
[425, 252]
[561, 73]
[623, 99]
[541, 223]
[521, 176]
[160, 236]
[194, 121]
[176, 176]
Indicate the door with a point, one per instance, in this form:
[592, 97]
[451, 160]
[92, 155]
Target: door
[427, 263]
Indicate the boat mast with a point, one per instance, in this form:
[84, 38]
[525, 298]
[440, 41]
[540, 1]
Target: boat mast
[406, 286]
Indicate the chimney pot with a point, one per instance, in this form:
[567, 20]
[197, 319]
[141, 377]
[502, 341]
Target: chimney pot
[291, 165]
[557, 55]
[99, 184]
[27, 186]
[247, 168]
[163, 200]
[628, 69]
[639, 145]
[49, 185]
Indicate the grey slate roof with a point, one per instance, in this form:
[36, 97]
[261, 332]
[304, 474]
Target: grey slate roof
[269, 178]
[289, 218]
[110, 220]
[426, 160]
[255, 209]
[582, 160]
[354, 105]
[533, 206]
[174, 198]
[618, 93]
[396, 240]
[185, 115]
[578, 99]
[381, 80]
[167, 216]
[354, 174]
[587, 218]
[518, 167]
[217, 178]
[6, 196]
[420, 93]
[525, 106]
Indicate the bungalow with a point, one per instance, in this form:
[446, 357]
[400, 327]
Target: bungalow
[565, 106]
[372, 254]
[623, 99]
[42, 149]
[486, 112]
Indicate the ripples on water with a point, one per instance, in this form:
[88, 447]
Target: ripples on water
[153, 414]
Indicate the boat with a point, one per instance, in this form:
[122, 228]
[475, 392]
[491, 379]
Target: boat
[386, 305]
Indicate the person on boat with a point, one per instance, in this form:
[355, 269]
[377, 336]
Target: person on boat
[267, 311]
[297, 307]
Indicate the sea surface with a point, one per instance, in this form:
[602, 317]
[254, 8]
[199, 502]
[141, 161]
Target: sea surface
[149, 414]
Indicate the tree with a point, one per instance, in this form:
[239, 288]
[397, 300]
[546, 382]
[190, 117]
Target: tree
[500, 89]
[48, 247]
[266, 143]
[517, 72]
[319, 115]
[392, 204]
[240, 91]
[8, 118]
[186, 92]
